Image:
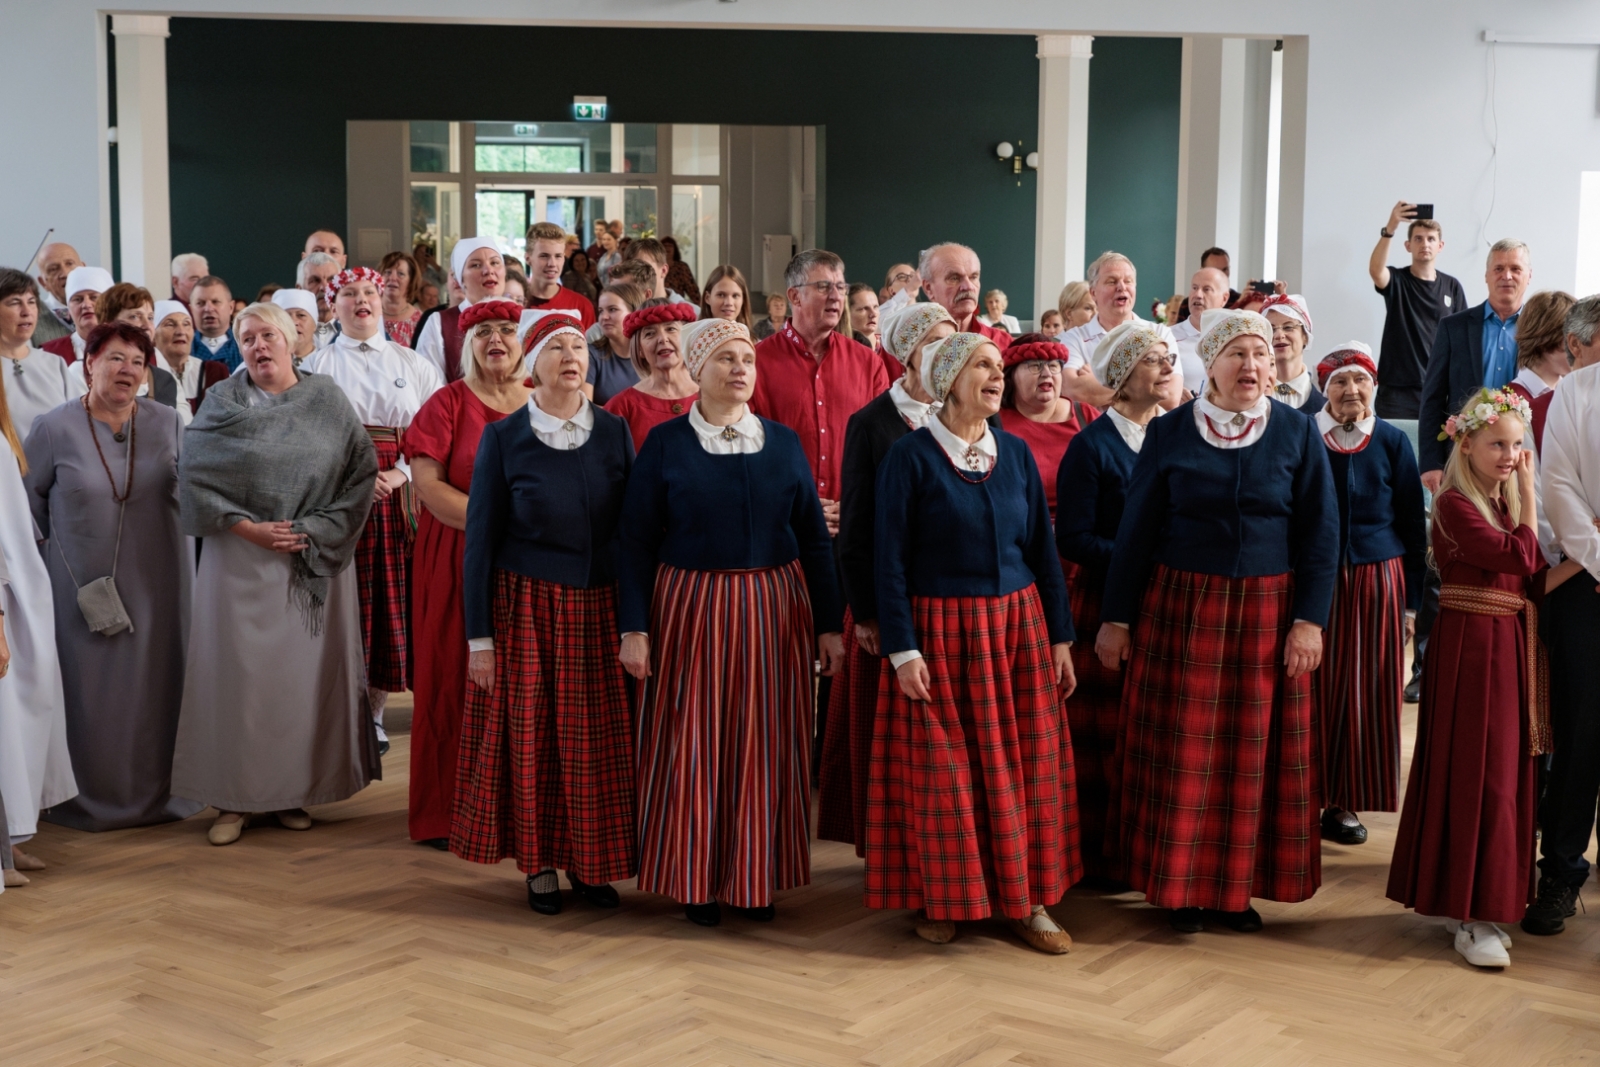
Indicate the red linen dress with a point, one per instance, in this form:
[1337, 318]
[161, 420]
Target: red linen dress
[1048, 442]
[446, 429]
[1465, 849]
[643, 412]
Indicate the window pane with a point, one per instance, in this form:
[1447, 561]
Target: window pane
[638, 150]
[431, 147]
[436, 217]
[563, 148]
[697, 150]
[697, 224]
[503, 217]
[639, 212]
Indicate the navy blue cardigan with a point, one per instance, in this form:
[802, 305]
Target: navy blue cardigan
[940, 535]
[1091, 488]
[693, 510]
[546, 513]
[1381, 513]
[1245, 512]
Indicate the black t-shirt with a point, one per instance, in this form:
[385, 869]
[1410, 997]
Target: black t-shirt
[1414, 309]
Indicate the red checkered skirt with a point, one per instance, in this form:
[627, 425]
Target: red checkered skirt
[725, 736]
[971, 809]
[1360, 687]
[1219, 797]
[1094, 716]
[383, 576]
[847, 744]
[545, 773]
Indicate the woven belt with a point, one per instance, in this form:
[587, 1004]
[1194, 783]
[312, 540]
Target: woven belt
[1477, 600]
[408, 497]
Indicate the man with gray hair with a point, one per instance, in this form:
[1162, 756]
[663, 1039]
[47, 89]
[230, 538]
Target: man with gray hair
[951, 275]
[315, 271]
[56, 260]
[187, 269]
[1114, 285]
[1474, 349]
[1569, 472]
[1208, 290]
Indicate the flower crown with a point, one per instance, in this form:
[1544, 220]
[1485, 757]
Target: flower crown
[1492, 403]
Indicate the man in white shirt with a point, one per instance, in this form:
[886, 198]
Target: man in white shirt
[315, 271]
[187, 270]
[1207, 289]
[1114, 284]
[1569, 466]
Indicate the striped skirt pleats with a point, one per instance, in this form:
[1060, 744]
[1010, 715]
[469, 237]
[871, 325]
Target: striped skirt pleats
[545, 772]
[383, 576]
[1094, 715]
[725, 736]
[971, 810]
[847, 744]
[1219, 797]
[1360, 687]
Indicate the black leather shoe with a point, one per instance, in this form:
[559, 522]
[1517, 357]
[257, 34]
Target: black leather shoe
[1340, 832]
[1550, 910]
[703, 914]
[1247, 921]
[1413, 693]
[440, 843]
[543, 903]
[758, 915]
[383, 747]
[1188, 920]
[601, 896]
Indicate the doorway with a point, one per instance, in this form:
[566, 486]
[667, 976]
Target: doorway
[505, 212]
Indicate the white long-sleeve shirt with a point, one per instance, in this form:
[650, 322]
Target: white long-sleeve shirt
[1569, 468]
[386, 383]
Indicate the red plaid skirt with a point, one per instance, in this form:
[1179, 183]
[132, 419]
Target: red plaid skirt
[545, 773]
[970, 805]
[383, 576]
[1219, 798]
[1360, 686]
[847, 744]
[1094, 715]
[725, 736]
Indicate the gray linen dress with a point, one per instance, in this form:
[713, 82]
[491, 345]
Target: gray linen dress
[123, 692]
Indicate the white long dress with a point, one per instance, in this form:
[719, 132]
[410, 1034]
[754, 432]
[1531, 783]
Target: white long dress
[38, 382]
[35, 766]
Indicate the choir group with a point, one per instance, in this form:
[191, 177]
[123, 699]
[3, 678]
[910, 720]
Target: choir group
[1152, 645]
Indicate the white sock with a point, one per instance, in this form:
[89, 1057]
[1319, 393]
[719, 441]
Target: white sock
[545, 881]
[1040, 920]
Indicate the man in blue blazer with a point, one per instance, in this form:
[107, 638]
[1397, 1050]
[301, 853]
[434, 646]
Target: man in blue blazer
[1474, 349]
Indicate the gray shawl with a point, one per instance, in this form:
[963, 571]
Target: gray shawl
[302, 455]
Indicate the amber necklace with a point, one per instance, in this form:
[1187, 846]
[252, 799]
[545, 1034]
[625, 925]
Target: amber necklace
[133, 438]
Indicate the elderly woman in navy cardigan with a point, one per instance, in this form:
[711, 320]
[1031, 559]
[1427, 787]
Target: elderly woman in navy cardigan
[853, 704]
[970, 808]
[1225, 559]
[1383, 549]
[1134, 362]
[545, 768]
[728, 591]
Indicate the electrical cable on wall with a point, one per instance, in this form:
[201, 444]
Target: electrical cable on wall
[1494, 145]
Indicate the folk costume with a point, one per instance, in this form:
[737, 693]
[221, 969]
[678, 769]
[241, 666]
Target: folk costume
[1299, 392]
[439, 343]
[853, 700]
[728, 567]
[40, 381]
[197, 374]
[447, 430]
[1382, 555]
[386, 385]
[545, 772]
[1228, 536]
[641, 411]
[970, 808]
[1047, 441]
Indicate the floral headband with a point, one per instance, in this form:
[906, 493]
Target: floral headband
[349, 277]
[1492, 403]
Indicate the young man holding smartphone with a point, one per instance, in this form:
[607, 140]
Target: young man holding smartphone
[1416, 297]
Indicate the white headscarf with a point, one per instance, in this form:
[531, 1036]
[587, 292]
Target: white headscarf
[171, 307]
[464, 248]
[289, 299]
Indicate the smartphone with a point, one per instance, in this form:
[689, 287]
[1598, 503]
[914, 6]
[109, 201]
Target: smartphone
[1422, 211]
[1264, 287]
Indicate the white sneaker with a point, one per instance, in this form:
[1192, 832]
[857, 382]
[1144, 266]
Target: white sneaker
[1479, 944]
[1453, 925]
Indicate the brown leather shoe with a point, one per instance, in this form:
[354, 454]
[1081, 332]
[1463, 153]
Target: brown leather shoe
[26, 861]
[937, 931]
[1050, 942]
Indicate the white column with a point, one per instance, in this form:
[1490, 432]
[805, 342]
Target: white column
[1292, 163]
[1063, 165]
[1210, 152]
[1259, 164]
[143, 196]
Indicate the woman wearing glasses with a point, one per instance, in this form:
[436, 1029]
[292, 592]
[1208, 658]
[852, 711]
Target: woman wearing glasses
[1034, 409]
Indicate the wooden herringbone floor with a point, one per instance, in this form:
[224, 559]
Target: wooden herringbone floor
[348, 946]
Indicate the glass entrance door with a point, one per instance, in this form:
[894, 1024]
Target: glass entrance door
[506, 212]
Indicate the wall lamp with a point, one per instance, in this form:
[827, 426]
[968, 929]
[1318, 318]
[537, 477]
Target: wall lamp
[1006, 152]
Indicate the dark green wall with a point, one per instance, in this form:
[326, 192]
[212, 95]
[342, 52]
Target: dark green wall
[1135, 84]
[257, 113]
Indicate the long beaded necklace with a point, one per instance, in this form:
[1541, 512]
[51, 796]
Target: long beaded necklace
[133, 440]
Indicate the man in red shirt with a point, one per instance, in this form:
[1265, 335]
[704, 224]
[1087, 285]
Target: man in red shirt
[547, 257]
[950, 275]
[812, 378]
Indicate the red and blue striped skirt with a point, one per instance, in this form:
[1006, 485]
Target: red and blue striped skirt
[1360, 687]
[971, 808]
[545, 768]
[383, 576]
[847, 744]
[1094, 715]
[1219, 799]
[725, 736]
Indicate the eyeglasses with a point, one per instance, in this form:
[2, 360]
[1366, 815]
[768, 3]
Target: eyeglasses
[489, 329]
[903, 276]
[824, 288]
[1043, 366]
[1154, 360]
[1284, 328]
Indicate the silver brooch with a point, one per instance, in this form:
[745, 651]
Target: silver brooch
[399, 383]
[1238, 420]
